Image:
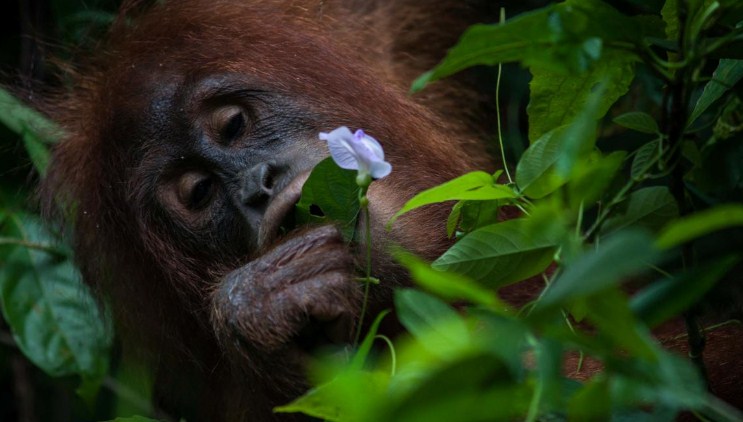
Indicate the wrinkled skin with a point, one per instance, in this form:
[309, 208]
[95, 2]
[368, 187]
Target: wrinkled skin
[187, 143]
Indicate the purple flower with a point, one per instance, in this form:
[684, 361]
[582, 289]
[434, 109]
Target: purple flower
[357, 151]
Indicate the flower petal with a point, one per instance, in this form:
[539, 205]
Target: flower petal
[380, 169]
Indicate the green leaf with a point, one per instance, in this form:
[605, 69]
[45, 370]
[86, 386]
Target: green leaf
[727, 74]
[135, 419]
[537, 172]
[475, 387]
[671, 296]
[54, 319]
[558, 99]
[475, 186]
[639, 121]
[591, 403]
[363, 352]
[448, 285]
[592, 177]
[609, 311]
[432, 322]
[351, 396]
[36, 130]
[700, 224]
[671, 18]
[334, 192]
[649, 208]
[645, 155]
[564, 38]
[22, 119]
[499, 254]
[622, 255]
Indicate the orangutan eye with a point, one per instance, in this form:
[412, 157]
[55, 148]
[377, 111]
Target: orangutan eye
[230, 123]
[195, 190]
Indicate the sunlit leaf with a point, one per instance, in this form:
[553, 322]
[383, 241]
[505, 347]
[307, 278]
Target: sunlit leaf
[475, 186]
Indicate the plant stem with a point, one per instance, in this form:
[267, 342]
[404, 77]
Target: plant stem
[367, 282]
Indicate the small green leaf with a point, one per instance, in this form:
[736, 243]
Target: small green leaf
[671, 296]
[649, 208]
[624, 254]
[645, 155]
[475, 186]
[727, 74]
[363, 352]
[499, 254]
[334, 192]
[700, 224]
[639, 121]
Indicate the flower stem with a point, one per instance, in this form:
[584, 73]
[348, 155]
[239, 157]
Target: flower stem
[367, 279]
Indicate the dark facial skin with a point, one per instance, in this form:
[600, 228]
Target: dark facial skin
[239, 161]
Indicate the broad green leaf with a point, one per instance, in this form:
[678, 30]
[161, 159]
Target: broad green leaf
[54, 319]
[475, 186]
[537, 172]
[135, 419]
[671, 296]
[699, 224]
[727, 74]
[565, 38]
[499, 254]
[558, 99]
[330, 194]
[624, 254]
[38, 151]
[639, 121]
[649, 208]
[645, 156]
[432, 322]
[448, 285]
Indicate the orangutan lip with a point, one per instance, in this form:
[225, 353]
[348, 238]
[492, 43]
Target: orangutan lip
[279, 208]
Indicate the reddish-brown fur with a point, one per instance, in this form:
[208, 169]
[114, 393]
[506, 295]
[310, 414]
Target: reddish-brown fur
[350, 62]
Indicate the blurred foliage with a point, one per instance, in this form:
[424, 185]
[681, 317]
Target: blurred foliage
[630, 167]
